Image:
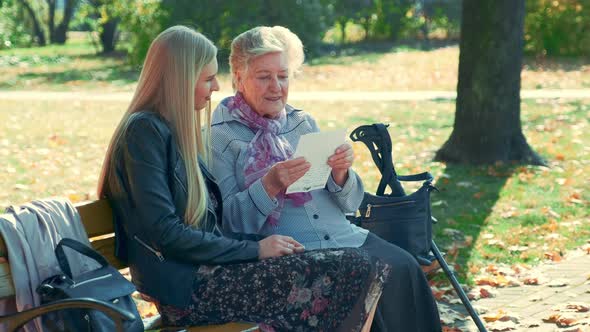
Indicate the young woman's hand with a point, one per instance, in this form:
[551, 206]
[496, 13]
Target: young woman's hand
[278, 245]
[282, 174]
[340, 162]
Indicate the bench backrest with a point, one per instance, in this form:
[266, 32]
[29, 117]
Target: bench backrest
[97, 218]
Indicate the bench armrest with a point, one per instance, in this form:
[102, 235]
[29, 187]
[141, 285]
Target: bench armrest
[118, 315]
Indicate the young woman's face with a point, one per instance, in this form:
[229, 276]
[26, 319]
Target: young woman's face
[265, 85]
[206, 84]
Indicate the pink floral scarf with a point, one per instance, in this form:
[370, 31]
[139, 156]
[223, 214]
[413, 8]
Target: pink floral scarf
[264, 150]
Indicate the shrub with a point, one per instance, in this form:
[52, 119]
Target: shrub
[555, 27]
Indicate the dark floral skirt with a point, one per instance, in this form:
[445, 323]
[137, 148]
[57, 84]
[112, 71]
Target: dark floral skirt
[320, 290]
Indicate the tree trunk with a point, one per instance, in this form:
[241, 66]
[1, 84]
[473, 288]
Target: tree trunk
[60, 34]
[487, 124]
[342, 23]
[51, 20]
[38, 32]
[366, 27]
[109, 35]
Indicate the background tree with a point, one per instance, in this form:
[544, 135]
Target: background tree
[103, 17]
[391, 18]
[487, 124]
[38, 31]
[58, 34]
[221, 21]
[42, 15]
[343, 11]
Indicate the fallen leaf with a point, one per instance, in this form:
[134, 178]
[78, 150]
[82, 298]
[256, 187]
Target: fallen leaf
[548, 211]
[534, 279]
[448, 316]
[495, 316]
[561, 320]
[20, 186]
[482, 292]
[502, 327]
[451, 329]
[501, 321]
[552, 255]
[496, 242]
[518, 248]
[561, 181]
[577, 307]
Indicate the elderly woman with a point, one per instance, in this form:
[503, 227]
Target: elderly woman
[166, 206]
[255, 133]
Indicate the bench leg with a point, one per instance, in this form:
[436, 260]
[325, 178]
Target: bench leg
[369, 321]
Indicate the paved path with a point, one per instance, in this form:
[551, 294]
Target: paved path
[567, 282]
[296, 96]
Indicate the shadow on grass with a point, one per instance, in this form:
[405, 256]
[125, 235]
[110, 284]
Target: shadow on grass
[467, 197]
[372, 51]
[109, 74]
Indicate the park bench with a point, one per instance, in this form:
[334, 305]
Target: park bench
[98, 222]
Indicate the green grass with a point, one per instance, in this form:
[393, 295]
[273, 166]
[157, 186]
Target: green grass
[73, 66]
[56, 148]
[361, 66]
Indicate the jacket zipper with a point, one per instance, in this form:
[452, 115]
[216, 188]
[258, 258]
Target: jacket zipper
[154, 251]
[87, 319]
[91, 280]
[369, 206]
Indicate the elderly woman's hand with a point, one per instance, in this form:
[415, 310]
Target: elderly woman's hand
[278, 245]
[340, 162]
[282, 174]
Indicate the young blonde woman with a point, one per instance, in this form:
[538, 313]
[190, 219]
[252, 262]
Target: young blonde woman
[167, 206]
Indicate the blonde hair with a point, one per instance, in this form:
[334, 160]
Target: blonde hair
[166, 85]
[262, 40]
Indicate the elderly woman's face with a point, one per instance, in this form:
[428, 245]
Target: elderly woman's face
[265, 85]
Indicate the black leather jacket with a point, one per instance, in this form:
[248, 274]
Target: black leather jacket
[147, 191]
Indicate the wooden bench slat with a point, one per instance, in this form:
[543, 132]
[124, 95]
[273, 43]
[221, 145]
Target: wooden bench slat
[229, 327]
[106, 247]
[97, 217]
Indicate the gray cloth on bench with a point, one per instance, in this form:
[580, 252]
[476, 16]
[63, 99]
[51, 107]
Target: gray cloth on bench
[31, 233]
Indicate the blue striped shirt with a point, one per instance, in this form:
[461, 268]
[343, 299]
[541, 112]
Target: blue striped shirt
[319, 223]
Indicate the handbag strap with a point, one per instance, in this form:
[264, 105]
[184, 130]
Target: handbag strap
[81, 248]
[377, 139]
[425, 176]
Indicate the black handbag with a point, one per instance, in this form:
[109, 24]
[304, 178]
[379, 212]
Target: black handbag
[104, 283]
[401, 219]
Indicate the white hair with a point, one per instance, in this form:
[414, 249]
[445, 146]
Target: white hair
[262, 40]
